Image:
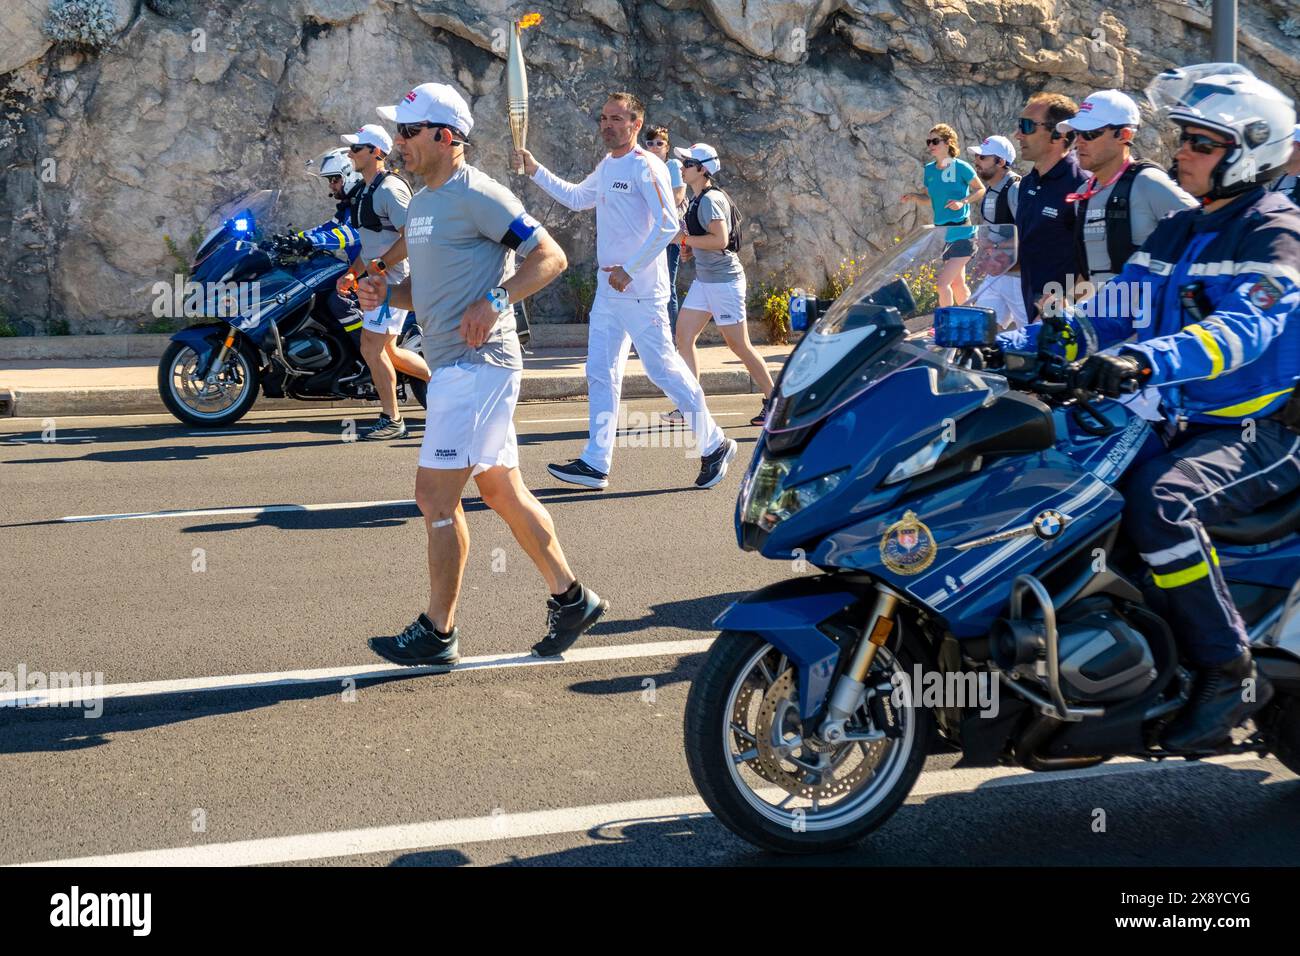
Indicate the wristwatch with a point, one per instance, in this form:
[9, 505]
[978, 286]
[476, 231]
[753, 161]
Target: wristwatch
[499, 298]
[380, 266]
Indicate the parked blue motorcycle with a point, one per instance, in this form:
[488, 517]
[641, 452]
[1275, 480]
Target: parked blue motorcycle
[966, 522]
[278, 325]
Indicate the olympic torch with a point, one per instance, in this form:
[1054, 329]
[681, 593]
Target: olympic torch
[517, 82]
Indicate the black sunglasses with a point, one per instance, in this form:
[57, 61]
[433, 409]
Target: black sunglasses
[333, 179]
[1027, 125]
[358, 147]
[692, 164]
[933, 142]
[1091, 134]
[1205, 145]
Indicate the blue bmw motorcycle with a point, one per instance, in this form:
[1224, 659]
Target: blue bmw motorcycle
[972, 587]
[277, 325]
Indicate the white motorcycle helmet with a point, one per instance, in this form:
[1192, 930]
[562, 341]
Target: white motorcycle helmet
[1229, 99]
[337, 163]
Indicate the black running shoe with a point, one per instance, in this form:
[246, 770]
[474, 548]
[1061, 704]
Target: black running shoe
[713, 466]
[419, 646]
[578, 472]
[384, 429]
[761, 417]
[566, 622]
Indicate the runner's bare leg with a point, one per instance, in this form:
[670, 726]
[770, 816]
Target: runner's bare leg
[690, 323]
[505, 493]
[437, 493]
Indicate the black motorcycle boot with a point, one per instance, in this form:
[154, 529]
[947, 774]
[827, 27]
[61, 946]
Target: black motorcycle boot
[1217, 706]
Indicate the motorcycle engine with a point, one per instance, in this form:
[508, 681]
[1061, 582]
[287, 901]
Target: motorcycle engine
[1103, 658]
[309, 352]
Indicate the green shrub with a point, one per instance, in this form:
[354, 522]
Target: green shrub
[580, 286]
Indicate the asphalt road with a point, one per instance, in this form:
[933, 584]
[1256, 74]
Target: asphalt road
[502, 762]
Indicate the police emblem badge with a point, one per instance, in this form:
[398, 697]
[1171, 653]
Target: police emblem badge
[907, 546]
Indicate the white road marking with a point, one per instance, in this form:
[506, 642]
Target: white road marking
[248, 431]
[585, 418]
[73, 439]
[518, 826]
[581, 655]
[256, 510]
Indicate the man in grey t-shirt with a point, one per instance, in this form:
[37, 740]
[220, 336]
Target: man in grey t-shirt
[463, 231]
[378, 215]
[1105, 124]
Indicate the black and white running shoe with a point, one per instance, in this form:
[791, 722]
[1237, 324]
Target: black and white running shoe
[578, 472]
[566, 622]
[384, 429]
[675, 417]
[761, 417]
[713, 466]
[419, 646]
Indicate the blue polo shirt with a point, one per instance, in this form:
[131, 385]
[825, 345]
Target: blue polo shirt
[1045, 224]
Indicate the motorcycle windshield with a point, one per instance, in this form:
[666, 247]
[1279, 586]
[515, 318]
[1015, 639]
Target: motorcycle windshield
[876, 327]
[244, 217]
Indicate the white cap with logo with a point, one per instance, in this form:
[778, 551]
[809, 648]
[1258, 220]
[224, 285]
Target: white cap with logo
[372, 134]
[431, 103]
[702, 153]
[1104, 108]
[998, 146]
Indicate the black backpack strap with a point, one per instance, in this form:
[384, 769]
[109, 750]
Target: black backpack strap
[1119, 223]
[366, 216]
[1080, 246]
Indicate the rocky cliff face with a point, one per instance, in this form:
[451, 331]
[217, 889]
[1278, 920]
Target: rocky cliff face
[819, 108]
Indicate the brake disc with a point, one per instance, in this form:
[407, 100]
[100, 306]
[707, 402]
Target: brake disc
[777, 715]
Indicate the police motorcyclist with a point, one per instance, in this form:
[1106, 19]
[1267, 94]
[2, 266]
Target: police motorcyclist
[1211, 294]
[335, 234]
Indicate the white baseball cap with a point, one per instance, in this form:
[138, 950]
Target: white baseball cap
[431, 103]
[1104, 108]
[998, 146]
[705, 154]
[372, 134]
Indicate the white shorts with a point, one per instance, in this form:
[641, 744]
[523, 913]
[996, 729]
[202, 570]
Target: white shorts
[392, 325]
[725, 300]
[1002, 294]
[470, 420]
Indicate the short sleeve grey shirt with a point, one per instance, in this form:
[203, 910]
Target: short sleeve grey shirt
[461, 239]
[389, 200]
[1153, 196]
[713, 266]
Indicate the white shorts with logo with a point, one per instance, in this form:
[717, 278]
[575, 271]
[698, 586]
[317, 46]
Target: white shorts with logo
[470, 420]
[390, 324]
[725, 300]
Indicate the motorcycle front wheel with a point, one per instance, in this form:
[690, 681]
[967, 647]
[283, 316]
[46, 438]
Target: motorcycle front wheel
[765, 782]
[188, 396]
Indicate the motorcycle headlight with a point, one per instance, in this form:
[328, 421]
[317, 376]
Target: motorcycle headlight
[918, 462]
[768, 500]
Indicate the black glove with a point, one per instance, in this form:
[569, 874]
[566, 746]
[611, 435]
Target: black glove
[1112, 375]
[292, 244]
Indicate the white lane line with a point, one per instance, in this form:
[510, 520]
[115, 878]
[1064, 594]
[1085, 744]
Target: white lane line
[517, 826]
[556, 421]
[581, 655]
[71, 440]
[248, 431]
[256, 510]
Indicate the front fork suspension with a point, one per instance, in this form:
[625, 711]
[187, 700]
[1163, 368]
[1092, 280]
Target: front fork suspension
[849, 690]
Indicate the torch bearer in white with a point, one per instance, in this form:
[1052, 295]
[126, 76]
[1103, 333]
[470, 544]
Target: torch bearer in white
[517, 82]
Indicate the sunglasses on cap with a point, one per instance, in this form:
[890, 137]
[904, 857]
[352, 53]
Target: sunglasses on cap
[1200, 143]
[934, 142]
[1027, 125]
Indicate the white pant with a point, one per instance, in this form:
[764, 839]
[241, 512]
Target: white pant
[1002, 295]
[646, 322]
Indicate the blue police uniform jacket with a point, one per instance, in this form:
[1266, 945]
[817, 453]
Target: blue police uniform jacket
[1239, 359]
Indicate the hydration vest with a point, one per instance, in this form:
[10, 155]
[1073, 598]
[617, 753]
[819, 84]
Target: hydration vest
[1119, 228]
[364, 214]
[1002, 214]
[695, 228]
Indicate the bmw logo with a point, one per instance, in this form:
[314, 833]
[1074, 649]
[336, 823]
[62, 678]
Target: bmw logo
[1049, 525]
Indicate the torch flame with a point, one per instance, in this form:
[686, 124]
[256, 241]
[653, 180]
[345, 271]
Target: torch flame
[529, 20]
